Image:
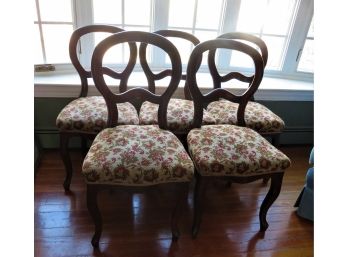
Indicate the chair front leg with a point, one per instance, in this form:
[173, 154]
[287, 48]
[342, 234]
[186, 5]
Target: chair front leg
[198, 198]
[275, 139]
[92, 206]
[182, 191]
[274, 190]
[64, 152]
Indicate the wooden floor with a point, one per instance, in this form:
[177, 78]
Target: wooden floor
[139, 224]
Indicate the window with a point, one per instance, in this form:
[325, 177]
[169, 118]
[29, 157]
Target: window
[306, 63]
[53, 23]
[283, 25]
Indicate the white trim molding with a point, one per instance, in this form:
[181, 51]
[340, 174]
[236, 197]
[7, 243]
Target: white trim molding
[271, 89]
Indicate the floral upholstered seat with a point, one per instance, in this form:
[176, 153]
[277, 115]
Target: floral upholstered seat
[235, 153]
[137, 155]
[89, 114]
[257, 116]
[227, 150]
[179, 114]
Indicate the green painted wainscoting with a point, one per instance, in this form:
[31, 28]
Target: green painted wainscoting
[298, 117]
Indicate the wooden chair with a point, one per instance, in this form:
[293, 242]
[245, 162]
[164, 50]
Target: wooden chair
[136, 157]
[257, 116]
[231, 152]
[180, 111]
[87, 115]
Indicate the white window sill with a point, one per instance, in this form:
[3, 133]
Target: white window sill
[271, 89]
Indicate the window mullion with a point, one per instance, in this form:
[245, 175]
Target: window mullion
[160, 17]
[83, 15]
[229, 24]
[41, 31]
[298, 35]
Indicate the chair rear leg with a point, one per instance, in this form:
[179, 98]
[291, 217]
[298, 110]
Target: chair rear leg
[64, 152]
[198, 198]
[274, 190]
[92, 206]
[182, 191]
[84, 147]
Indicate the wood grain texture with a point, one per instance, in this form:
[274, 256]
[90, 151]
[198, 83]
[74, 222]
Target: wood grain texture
[138, 224]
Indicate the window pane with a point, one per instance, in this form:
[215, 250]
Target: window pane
[203, 35]
[55, 10]
[184, 47]
[107, 11]
[275, 47]
[136, 28]
[38, 57]
[114, 54]
[34, 10]
[239, 59]
[251, 15]
[306, 63]
[266, 16]
[211, 9]
[56, 39]
[137, 12]
[278, 17]
[181, 13]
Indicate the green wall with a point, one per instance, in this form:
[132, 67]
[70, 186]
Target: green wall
[298, 117]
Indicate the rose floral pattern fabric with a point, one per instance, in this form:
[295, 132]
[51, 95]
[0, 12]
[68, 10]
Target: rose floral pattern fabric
[90, 114]
[229, 150]
[257, 116]
[179, 114]
[137, 155]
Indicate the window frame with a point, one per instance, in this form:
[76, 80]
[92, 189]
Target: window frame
[82, 12]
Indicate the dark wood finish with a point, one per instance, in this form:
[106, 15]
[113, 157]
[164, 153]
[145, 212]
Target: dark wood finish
[200, 101]
[140, 95]
[84, 74]
[273, 193]
[218, 79]
[137, 224]
[92, 206]
[152, 77]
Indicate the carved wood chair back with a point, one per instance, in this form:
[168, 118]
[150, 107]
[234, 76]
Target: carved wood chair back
[139, 94]
[150, 75]
[244, 37]
[84, 72]
[200, 100]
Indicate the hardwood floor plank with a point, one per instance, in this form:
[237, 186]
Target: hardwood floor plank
[139, 224]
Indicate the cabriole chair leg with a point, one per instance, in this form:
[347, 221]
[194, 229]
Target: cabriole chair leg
[275, 139]
[274, 190]
[182, 191]
[64, 144]
[198, 198]
[92, 206]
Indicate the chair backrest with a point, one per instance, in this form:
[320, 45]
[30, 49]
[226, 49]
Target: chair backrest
[200, 100]
[152, 77]
[140, 93]
[83, 72]
[256, 41]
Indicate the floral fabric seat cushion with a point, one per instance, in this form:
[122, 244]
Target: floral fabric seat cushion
[89, 114]
[229, 150]
[179, 114]
[257, 116]
[136, 156]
